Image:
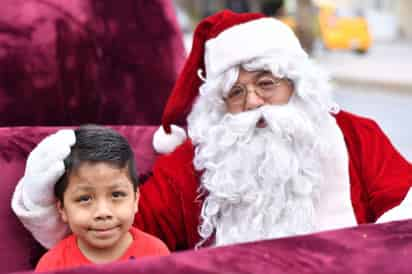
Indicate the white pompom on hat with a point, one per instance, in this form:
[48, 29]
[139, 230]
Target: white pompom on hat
[165, 143]
[221, 41]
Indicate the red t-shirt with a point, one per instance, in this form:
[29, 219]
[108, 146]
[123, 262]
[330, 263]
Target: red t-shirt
[68, 254]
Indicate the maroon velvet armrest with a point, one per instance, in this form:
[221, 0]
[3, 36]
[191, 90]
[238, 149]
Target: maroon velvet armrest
[18, 250]
[383, 248]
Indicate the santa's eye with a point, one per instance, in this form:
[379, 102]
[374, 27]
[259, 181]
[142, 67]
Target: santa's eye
[235, 92]
[266, 83]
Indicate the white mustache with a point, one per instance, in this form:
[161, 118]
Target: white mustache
[287, 120]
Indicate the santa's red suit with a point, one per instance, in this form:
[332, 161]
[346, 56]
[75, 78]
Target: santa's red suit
[379, 180]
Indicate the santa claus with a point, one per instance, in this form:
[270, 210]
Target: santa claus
[269, 153]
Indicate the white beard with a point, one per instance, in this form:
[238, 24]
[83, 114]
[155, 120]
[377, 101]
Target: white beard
[261, 183]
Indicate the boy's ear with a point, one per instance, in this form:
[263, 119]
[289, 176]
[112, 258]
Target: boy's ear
[136, 204]
[61, 210]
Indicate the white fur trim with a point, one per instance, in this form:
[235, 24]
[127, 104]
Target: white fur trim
[246, 41]
[165, 143]
[33, 200]
[43, 222]
[401, 212]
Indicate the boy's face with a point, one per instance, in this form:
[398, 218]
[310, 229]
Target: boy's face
[99, 206]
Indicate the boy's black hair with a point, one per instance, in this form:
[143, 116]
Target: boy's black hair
[96, 144]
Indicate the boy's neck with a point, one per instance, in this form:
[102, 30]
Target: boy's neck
[106, 255]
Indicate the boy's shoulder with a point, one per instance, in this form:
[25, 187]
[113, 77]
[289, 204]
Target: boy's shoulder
[145, 244]
[60, 255]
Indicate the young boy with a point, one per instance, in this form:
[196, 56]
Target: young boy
[98, 197]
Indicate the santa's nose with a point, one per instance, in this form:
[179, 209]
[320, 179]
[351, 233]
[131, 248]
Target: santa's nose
[253, 100]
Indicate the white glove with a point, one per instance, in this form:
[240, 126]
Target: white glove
[401, 212]
[33, 200]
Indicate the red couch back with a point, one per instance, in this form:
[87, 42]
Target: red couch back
[18, 250]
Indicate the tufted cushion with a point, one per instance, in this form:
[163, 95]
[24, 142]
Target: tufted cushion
[17, 247]
[85, 61]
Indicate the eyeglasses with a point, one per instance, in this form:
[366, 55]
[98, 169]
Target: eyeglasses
[266, 88]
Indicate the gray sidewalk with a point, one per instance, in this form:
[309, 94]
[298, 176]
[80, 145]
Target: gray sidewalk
[386, 65]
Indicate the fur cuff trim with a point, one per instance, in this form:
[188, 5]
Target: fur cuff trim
[44, 222]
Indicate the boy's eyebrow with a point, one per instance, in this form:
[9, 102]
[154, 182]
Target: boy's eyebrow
[82, 187]
[118, 184]
[87, 187]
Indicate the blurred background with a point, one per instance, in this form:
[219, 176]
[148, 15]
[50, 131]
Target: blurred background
[115, 62]
[365, 46]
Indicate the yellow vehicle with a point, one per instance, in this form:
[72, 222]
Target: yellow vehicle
[343, 31]
[337, 28]
[290, 21]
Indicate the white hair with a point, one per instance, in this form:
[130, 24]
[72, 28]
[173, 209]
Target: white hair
[261, 183]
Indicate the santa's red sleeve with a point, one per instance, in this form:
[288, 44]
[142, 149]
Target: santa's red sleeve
[380, 176]
[168, 206]
[388, 174]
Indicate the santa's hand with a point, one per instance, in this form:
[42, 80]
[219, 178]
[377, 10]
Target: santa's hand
[401, 212]
[33, 199]
[44, 167]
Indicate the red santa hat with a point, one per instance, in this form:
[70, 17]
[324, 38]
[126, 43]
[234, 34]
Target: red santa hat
[220, 41]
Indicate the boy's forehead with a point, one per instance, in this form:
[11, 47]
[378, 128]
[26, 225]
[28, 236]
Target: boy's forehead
[99, 173]
[99, 166]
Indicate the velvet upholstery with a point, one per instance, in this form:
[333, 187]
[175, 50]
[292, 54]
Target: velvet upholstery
[18, 250]
[384, 248]
[87, 61]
